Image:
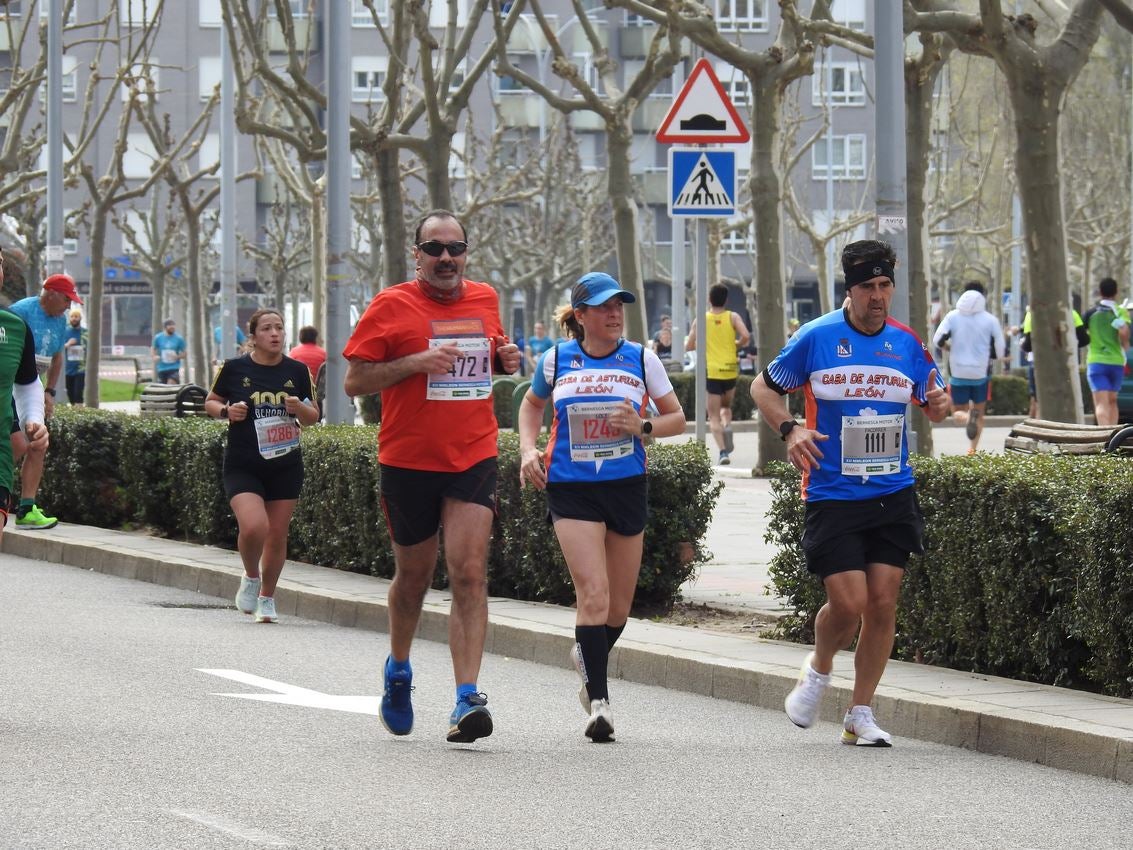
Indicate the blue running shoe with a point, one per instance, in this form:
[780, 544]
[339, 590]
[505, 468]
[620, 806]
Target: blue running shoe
[397, 707]
[470, 719]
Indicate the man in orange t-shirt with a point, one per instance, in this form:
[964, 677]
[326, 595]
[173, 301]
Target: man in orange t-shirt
[429, 346]
[308, 351]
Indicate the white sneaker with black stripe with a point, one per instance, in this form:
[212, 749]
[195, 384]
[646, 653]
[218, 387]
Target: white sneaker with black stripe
[859, 728]
[246, 595]
[600, 728]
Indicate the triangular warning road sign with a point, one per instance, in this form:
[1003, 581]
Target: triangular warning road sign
[702, 112]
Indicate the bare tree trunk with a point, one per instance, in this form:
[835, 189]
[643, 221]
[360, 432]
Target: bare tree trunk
[770, 314]
[198, 340]
[1036, 109]
[393, 219]
[94, 304]
[619, 184]
[318, 254]
[920, 81]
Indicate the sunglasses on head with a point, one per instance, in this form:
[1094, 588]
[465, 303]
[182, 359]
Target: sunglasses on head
[434, 248]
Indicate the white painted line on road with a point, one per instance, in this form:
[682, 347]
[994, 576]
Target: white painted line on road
[286, 694]
[235, 830]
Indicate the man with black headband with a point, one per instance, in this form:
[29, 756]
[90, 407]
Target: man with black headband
[429, 346]
[859, 369]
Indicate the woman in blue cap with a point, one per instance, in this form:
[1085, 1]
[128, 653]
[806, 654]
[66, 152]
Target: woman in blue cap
[593, 468]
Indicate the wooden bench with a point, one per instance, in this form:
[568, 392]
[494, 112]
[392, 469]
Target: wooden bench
[178, 400]
[139, 370]
[1042, 436]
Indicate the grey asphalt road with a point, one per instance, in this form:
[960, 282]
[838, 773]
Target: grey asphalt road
[112, 737]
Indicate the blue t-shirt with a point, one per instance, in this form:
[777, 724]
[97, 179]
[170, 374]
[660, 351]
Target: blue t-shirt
[217, 331]
[538, 346]
[49, 332]
[168, 347]
[857, 389]
[75, 356]
[581, 447]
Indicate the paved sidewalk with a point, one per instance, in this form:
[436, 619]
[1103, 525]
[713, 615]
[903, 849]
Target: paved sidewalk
[1053, 726]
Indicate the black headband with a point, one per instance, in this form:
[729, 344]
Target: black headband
[868, 271]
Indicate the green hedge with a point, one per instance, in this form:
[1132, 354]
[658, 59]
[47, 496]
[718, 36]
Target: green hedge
[113, 470]
[684, 385]
[1028, 571]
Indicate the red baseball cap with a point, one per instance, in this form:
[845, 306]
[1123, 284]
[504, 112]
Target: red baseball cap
[63, 283]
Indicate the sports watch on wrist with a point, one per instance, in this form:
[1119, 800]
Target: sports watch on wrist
[786, 428]
[50, 391]
[646, 428]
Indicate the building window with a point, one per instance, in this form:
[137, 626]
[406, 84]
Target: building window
[208, 154]
[508, 83]
[847, 163]
[438, 13]
[741, 15]
[633, 67]
[635, 20]
[736, 85]
[591, 150]
[143, 78]
[849, 13]
[738, 240]
[847, 85]
[588, 71]
[208, 13]
[361, 17]
[208, 75]
[367, 74]
[298, 9]
[139, 158]
[43, 10]
[11, 9]
[70, 81]
[137, 13]
[456, 155]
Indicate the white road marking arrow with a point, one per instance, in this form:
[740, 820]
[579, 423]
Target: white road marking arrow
[294, 695]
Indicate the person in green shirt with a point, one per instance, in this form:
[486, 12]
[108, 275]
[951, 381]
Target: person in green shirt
[1108, 324]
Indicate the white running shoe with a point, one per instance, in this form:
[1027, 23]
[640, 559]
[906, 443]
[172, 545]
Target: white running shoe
[265, 609]
[860, 728]
[580, 669]
[246, 595]
[802, 702]
[601, 725]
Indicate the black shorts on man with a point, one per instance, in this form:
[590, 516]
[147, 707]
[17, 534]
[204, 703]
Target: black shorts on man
[719, 386]
[840, 536]
[412, 498]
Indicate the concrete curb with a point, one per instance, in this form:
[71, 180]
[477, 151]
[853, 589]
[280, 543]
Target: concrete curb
[1090, 734]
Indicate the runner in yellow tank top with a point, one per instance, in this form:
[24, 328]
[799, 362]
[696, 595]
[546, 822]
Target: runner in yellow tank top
[725, 333]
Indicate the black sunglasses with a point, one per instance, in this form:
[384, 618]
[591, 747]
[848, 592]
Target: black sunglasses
[434, 248]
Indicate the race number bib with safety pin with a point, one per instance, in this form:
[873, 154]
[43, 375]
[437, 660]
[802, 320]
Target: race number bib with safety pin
[470, 376]
[591, 435]
[276, 436]
[871, 445]
[75, 353]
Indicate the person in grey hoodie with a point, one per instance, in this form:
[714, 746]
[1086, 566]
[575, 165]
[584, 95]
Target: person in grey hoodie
[972, 335]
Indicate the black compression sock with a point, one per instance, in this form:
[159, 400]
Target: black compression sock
[612, 635]
[592, 640]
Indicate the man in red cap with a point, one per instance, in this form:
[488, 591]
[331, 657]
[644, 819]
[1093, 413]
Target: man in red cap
[46, 316]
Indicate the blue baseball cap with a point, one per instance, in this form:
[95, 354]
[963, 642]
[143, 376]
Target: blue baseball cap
[598, 288]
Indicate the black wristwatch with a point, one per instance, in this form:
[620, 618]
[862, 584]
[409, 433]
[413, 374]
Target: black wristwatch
[50, 391]
[646, 428]
[224, 411]
[787, 427]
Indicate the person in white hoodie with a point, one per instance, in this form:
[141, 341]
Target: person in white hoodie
[972, 334]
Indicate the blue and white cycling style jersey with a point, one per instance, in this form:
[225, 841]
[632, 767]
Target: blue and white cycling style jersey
[857, 388]
[582, 448]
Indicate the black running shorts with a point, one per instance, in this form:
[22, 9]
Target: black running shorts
[621, 505]
[270, 481]
[719, 386]
[847, 535]
[412, 498]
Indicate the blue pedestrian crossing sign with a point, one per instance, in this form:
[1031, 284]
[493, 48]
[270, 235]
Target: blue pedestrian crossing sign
[702, 183]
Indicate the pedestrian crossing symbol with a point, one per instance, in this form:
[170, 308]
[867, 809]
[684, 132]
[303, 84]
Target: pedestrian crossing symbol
[702, 183]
